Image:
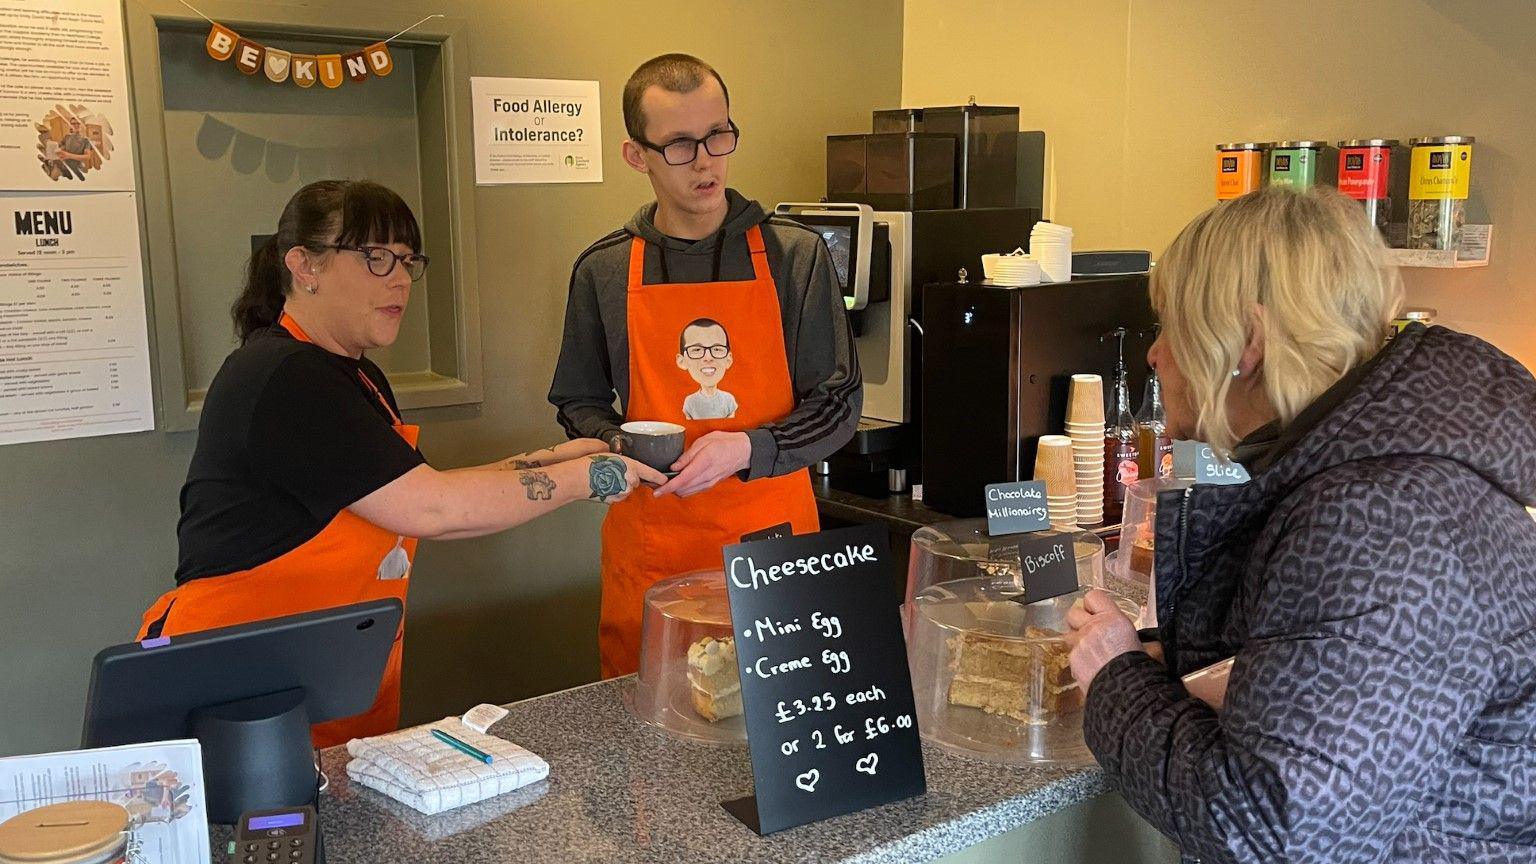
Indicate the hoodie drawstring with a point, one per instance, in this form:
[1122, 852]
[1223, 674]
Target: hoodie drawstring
[661, 248]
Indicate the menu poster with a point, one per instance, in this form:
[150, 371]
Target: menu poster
[64, 97]
[830, 717]
[74, 345]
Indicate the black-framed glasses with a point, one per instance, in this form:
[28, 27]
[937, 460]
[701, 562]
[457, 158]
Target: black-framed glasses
[382, 261]
[681, 151]
[697, 352]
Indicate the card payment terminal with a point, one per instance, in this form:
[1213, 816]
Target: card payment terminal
[287, 836]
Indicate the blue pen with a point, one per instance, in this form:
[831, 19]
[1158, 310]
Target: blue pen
[472, 752]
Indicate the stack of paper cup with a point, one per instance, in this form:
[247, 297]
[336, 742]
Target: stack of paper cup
[1051, 245]
[1013, 270]
[1085, 428]
[1055, 468]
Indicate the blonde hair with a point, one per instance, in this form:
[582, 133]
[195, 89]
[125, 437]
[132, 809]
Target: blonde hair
[1316, 265]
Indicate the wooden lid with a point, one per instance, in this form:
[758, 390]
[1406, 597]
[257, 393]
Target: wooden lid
[63, 833]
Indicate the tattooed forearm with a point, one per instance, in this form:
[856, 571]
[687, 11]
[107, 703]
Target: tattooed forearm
[607, 478]
[539, 486]
[520, 464]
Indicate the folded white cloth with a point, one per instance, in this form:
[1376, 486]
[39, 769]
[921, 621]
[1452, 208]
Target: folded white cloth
[428, 775]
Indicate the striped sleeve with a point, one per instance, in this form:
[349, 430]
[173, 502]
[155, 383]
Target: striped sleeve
[828, 386]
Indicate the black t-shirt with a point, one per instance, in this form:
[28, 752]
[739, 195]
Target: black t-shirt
[290, 435]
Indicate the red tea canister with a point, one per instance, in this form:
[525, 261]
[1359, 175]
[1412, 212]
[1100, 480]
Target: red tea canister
[1374, 171]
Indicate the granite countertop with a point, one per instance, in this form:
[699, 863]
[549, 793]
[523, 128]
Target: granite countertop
[619, 790]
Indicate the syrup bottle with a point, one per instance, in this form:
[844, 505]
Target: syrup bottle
[1154, 446]
[1120, 441]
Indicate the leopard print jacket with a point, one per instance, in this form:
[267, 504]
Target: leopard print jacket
[1377, 586]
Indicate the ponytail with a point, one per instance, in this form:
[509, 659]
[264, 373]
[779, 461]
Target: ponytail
[260, 303]
[326, 212]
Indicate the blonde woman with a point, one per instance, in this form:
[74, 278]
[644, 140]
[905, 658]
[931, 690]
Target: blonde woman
[1375, 581]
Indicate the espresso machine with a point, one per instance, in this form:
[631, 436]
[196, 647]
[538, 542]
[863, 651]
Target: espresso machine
[895, 219]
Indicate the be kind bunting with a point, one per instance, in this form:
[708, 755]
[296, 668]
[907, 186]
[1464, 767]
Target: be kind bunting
[303, 69]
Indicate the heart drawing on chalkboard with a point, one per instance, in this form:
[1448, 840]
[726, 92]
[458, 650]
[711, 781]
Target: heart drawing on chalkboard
[808, 780]
[868, 763]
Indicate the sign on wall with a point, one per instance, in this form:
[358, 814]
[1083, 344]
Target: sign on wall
[74, 349]
[64, 102]
[536, 130]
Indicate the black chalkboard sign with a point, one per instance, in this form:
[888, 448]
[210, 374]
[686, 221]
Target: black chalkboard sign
[824, 682]
[1048, 563]
[783, 529]
[1013, 508]
[1198, 460]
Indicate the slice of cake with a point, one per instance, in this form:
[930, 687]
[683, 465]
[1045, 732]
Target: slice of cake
[713, 676]
[1142, 552]
[1030, 681]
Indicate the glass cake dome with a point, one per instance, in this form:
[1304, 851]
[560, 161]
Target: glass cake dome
[688, 685]
[990, 670]
[991, 676]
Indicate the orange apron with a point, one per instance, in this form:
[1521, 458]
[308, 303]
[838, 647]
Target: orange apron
[351, 560]
[647, 539]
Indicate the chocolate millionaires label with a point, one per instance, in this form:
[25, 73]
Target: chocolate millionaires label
[831, 722]
[1014, 508]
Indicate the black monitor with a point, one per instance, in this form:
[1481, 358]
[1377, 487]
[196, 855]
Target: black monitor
[248, 693]
[841, 233]
[840, 230]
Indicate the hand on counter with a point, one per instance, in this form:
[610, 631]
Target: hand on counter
[711, 459]
[1100, 633]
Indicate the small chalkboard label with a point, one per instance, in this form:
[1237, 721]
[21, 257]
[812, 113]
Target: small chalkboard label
[781, 530]
[1048, 565]
[1201, 463]
[1014, 508]
[831, 722]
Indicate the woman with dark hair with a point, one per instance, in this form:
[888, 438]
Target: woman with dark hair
[306, 490]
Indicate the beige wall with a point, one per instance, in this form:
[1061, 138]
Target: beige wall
[1134, 94]
[87, 527]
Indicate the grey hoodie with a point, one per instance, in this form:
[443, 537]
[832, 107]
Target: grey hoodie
[594, 356]
[1376, 585]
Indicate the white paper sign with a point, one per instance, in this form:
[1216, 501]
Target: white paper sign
[536, 130]
[74, 346]
[160, 784]
[63, 97]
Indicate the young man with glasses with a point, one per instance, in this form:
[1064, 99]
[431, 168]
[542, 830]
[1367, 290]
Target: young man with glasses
[702, 253]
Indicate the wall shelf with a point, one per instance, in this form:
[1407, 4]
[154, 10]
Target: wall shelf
[1476, 241]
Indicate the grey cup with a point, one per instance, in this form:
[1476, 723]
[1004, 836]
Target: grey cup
[654, 443]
